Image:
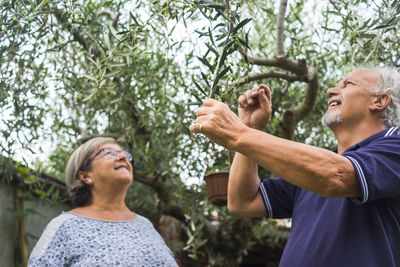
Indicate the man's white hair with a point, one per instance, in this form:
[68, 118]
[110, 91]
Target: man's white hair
[389, 83]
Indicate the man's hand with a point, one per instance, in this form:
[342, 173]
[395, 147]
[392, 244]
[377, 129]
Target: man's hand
[255, 107]
[216, 121]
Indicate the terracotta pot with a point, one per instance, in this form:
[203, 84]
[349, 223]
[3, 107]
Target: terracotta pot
[217, 187]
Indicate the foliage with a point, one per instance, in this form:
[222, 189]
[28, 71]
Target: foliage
[229, 35]
[136, 70]
[196, 240]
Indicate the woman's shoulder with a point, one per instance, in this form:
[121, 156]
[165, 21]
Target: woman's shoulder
[142, 220]
[54, 230]
[56, 222]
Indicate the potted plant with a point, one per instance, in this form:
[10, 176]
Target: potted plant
[217, 181]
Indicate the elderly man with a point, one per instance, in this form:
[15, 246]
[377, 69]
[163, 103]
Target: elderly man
[344, 205]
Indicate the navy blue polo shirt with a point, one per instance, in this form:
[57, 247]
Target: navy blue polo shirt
[341, 232]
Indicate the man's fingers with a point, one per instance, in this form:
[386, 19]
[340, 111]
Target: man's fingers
[201, 111]
[254, 92]
[209, 102]
[251, 96]
[242, 101]
[266, 90]
[263, 99]
[196, 127]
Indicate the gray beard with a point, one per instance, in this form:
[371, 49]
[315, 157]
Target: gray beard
[331, 118]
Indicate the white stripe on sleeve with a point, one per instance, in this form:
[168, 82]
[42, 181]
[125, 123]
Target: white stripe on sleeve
[266, 201]
[363, 181]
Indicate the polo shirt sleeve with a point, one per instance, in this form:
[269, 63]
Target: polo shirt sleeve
[278, 196]
[377, 167]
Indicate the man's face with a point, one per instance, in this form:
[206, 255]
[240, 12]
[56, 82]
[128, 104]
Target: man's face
[349, 101]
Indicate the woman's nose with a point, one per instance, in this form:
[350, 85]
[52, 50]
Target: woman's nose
[121, 155]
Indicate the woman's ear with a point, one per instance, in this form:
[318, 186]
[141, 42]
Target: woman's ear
[84, 177]
[380, 102]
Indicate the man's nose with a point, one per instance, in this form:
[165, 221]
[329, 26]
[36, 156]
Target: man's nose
[332, 91]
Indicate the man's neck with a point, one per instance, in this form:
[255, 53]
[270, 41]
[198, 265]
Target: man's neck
[350, 135]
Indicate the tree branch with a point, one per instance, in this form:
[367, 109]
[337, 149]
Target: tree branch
[289, 120]
[280, 29]
[307, 105]
[266, 75]
[298, 67]
[59, 14]
[168, 204]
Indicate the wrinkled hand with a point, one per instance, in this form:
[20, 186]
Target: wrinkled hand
[216, 121]
[255, 107]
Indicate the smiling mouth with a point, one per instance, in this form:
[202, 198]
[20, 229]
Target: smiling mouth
[121, 167]
[334, 102]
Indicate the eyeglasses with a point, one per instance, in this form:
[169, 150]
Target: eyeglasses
[111, 153]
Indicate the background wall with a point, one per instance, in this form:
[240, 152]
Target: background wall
[40, 213]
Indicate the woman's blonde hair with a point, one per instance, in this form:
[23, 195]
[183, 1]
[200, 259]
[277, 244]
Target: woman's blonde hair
[79, 192]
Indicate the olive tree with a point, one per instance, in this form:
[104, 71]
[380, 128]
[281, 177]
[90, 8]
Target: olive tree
[137, 70]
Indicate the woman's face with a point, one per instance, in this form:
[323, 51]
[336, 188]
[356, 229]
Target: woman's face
[110, 166]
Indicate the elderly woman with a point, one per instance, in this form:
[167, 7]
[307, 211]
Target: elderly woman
[101, 230]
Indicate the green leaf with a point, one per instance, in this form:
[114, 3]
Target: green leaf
[220, 13]
[344, 37]
[134, 19]
[244, 43]
[240, 25]
[196, 96]
[336, 13]
[222, 73]
[219, 7]
[123, 32]
[31, 179]
[195, 103]
[205, 62]
[367, 35]
[44, 2]
[212, 49]
[211, 36]
[23, 169]
[329, 29]
[225, 53]
[199, 87]
[201, 33]
[218, 77]
[92, 93]
[205, 79]
[219, 25]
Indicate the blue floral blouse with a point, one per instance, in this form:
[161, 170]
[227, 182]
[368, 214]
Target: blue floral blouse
[73, 240]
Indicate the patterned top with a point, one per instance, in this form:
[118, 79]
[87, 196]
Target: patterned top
[73, 240]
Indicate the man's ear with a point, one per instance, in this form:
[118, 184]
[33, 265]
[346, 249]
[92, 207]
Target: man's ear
[380, 102]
